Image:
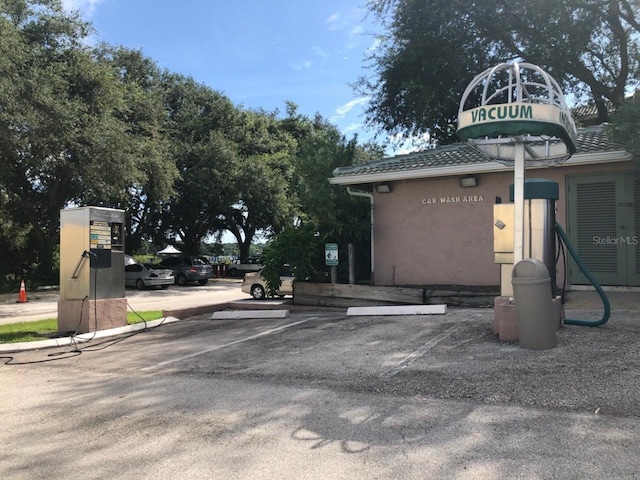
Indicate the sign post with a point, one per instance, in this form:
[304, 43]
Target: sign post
[518, 201]
[331, 259]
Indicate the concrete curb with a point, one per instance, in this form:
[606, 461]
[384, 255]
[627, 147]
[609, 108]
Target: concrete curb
[244, 305]
[398, 310]
[242, 314]
[83, 337]
[170, 316]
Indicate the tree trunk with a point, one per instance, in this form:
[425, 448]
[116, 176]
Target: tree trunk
[192, 245]
[45, 262]
[603, 112]
[244, 247]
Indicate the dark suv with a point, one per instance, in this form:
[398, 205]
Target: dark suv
[188, 269]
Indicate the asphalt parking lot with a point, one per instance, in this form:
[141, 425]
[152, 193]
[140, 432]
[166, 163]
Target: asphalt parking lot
[323, 395]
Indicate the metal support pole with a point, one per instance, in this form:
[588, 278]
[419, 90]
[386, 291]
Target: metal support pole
[370, 197]
[352, 265]
[373, 263]
[518, 198]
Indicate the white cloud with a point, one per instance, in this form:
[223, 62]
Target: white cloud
[347, 107]
[350, 24]
[333, 21]
[302, 65]
[85, 7]
[321, 52]
[354, 36]
[375, 45]
[353, 126]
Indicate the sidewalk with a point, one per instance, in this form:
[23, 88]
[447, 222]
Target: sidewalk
[43, 304]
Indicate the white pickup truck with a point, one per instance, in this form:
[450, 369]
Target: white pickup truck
[252, 264]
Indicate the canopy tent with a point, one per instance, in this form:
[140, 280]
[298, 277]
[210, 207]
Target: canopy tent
[168, 250]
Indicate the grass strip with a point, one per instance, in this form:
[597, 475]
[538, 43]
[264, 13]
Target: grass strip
[48, 328]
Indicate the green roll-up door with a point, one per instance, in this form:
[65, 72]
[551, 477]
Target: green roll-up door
[596, 220]
[634, 276]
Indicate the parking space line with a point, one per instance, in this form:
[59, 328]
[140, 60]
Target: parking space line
[220, 347]
[412, 357]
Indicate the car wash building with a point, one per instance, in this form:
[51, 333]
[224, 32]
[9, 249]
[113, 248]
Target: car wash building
[433, 213]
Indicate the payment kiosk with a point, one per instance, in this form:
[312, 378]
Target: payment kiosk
[92, 293]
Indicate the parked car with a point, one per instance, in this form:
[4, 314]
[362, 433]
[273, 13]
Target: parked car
[256, 286]
[188, 269]
[251, 264]
[143, 276]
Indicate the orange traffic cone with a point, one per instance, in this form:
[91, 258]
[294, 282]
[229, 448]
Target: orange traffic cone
[22, 298]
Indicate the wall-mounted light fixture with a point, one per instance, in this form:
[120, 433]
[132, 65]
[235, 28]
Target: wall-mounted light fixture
[468, 181]
[383, 188]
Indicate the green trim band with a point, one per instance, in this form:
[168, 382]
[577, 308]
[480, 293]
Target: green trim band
[517, 127]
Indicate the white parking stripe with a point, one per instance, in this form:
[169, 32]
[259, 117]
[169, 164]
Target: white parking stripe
[419, 352]
[220, 347]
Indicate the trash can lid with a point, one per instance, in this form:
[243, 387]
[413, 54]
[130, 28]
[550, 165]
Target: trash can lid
[530, 268]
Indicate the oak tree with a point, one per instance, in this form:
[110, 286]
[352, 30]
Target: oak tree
[432, 49]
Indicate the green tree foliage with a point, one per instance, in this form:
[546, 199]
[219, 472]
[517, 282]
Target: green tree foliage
[326, 213]
[260, 179]
[201, 122]
[154, 172]
[299, 247]
[433, 49]
[57, 131]
[626, 126]
[338, 214]
[68, 130]
[83, 125]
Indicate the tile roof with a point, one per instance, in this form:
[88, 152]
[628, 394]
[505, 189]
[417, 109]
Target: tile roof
[595, 140]
[590, 140]
[585, 115]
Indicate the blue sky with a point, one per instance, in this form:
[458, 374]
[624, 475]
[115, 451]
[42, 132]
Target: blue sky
[258, 53]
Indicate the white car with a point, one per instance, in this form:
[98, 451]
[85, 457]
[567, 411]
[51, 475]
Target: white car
[256, 286]
[143, 276]
[252, 264]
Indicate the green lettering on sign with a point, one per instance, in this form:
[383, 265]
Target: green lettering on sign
[502, 112]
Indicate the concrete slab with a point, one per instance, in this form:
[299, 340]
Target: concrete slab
[398, 310]
[241, 314]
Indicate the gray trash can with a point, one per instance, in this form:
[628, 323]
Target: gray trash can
[532, 297]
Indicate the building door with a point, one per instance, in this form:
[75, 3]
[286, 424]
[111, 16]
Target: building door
[604, 220]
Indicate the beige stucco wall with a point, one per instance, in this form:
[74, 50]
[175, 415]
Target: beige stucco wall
[422, 241]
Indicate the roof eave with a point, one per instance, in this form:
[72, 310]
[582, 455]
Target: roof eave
[491, 167]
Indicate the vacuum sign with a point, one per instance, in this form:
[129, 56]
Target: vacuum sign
[511, 119]
[502, 112]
